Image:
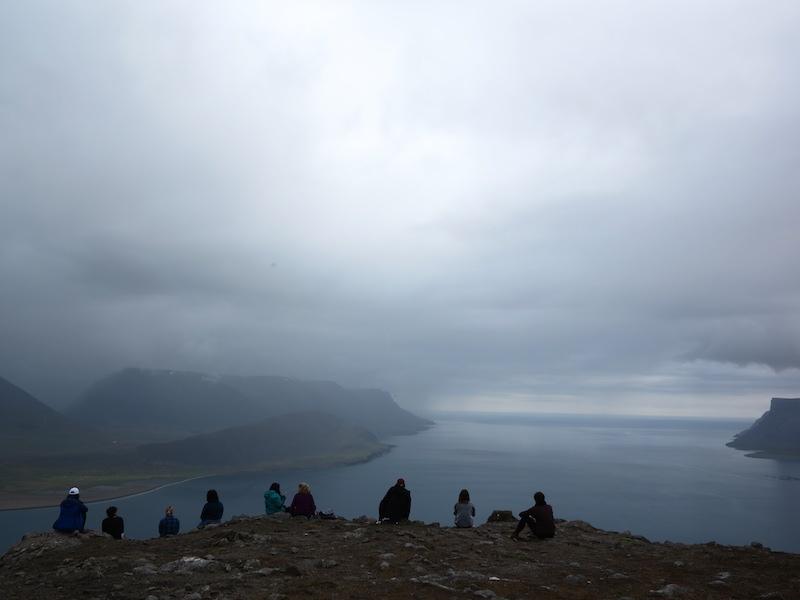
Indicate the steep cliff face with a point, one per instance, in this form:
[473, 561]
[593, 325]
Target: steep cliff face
[777, 431]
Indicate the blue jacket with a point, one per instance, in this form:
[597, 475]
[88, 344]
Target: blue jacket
[169, 526]
[212, 511]
[273, 502]
[72, 516]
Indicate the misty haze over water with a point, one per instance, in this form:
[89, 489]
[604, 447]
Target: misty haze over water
[548, 206]
[487, 212]
[667, 479]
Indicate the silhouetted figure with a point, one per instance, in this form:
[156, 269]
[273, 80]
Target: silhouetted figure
[169, 525]
[464, 511]
[396, 504]
[303, 502]
[113, 524]
[274, 500]
[212, 511]
[538, 517]
[72, 513]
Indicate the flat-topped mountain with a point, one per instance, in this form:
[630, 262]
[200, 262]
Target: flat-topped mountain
[777, 431]
[159, 405]
[301, 438]
[371, 408]
[142, 404]
[282, 558]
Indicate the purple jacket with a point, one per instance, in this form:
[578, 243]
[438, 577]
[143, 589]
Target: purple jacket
[303, 505]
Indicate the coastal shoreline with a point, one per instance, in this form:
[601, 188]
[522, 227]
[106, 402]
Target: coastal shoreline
[26, 502]
[116, 493]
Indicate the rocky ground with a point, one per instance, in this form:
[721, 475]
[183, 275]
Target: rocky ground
[269, 558]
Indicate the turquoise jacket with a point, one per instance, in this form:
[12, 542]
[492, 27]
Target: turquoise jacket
[273, 502]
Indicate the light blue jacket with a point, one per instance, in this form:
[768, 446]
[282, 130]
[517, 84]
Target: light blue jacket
[273, 502]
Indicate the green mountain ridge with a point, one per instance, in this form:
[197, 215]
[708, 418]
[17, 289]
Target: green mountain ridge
[296, 437]
[159, 405]
[29, 427]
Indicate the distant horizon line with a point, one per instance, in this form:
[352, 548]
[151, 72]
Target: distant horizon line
[534, 413]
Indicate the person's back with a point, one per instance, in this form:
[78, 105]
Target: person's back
[72, 513]
[464, 514]
[274, 500]
[396, 504]
[303, 504]
[545, 523]
[113, 524]
[212, 510]
[464, 511]
[169, 525]
[538, 517]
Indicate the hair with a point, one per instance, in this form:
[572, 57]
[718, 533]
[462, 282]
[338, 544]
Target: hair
[169, 511]
[212, 496]
[463, 496]
[538, 497]
[111, 511]
[304, 488]
[275, 487]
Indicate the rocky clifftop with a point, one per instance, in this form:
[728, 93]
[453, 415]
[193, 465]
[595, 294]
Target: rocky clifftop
[776, 432]
[269, 558]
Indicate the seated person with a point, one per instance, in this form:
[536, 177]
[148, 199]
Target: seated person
[303, 502]
[169, 525]
[72, 513]
[464, 511]
[113, 524]
[396, 503]
[212, 510]
[274, 500]
[538, 517]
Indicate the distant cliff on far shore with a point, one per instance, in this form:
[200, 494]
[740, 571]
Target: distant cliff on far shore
[776, 432]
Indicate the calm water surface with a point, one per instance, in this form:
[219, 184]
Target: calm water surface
[666, 479]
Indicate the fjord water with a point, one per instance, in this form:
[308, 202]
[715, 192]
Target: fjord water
[666, 479]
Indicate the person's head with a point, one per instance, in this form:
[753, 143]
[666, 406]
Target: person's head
[73, 492]
[304, 488]
[275, 487]
[538, 498]
[463, 496]
[111, 511]
[401, 483]
[169, 511]
[212, 496]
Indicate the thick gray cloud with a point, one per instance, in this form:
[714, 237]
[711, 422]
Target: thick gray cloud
[556, 205]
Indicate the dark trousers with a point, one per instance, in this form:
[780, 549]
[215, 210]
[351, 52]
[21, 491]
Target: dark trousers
[525, 520]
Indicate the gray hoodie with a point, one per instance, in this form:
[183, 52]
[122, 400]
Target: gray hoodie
[464, 513]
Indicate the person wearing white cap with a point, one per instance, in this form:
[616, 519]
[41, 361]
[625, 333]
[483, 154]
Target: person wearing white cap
[72, 517]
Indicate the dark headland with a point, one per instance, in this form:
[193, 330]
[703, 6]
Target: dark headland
[280, 558]
[139, 429]
[775, 434]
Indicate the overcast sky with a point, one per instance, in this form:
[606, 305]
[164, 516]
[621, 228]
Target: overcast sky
[549, 206]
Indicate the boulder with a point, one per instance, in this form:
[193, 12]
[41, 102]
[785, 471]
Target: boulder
[501, 516]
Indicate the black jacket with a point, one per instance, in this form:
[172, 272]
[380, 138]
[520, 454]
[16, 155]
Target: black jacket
[114, 526]
[542, 516]
[396, 504]
[212, 511]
